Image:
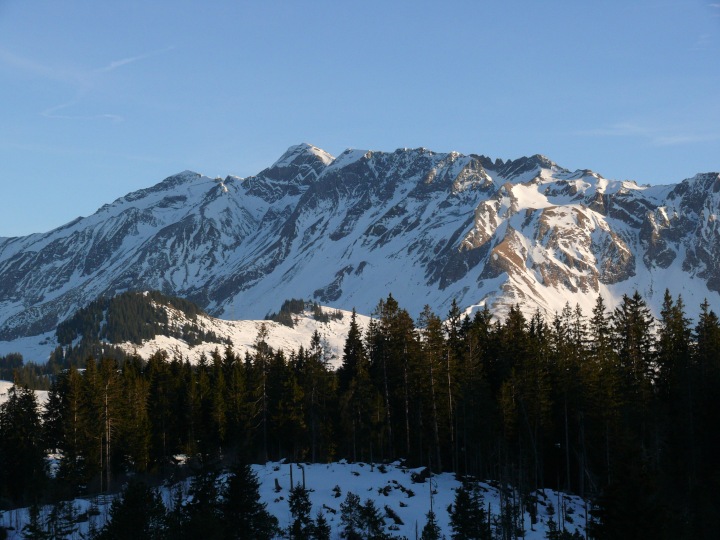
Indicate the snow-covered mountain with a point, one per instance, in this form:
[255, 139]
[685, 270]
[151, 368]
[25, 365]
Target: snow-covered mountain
[427, 227]
[242, 336]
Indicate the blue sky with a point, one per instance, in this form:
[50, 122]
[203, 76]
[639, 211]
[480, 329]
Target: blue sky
[102, 98]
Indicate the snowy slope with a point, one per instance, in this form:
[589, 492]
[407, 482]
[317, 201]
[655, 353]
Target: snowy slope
[244, 334]
[392, 488]
[42, 395]
[427, 227]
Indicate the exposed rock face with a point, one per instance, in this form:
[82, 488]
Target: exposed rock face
[427, 227]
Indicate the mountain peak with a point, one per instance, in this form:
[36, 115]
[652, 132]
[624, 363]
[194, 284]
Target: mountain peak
[432, 227]
[300, 153]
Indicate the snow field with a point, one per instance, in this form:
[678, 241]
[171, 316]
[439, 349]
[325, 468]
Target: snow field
[388, 486]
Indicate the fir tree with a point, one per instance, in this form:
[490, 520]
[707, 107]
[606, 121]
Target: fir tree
[301, 527]
[22, 463]
[200, 516]
[372, 523]
[244, 516]
[321, 528]
[34, 529]
[62, 520]
[467, 514]
[351, 518]
[431, 530]
[138, 513]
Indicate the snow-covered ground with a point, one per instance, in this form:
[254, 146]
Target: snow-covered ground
[42, 395]
[244, 334]
[388, 486]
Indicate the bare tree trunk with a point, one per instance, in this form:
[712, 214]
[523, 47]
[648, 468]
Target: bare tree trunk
[264, 412]
[407, 403]
[387, 404]
[450, 411]
[436, 434]
[107, 439]
[567, 448]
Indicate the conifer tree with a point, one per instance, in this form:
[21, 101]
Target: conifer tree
[260, 361]
[358, 396]
[372, 523]
[34, 529]
[218, 405]
[236, 400]
[61, 522]
[320, 393]
[22, 465]
[431, 530]
[321, 528]
[706, 377]
[673, 348]
[393, 349]
[133, 431]
[243, 515]
[301, 527]
[467, 514]
[138, 513]
[632, 325]
[353, 355]
[200, 516]
[434, 350]
[351, 518]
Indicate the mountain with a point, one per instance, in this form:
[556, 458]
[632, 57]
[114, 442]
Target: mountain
[144, 323]
[427, 227]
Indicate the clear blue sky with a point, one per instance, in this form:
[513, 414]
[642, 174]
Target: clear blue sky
[100, 98]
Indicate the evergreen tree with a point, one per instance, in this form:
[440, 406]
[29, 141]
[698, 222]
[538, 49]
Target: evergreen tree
[319, 387]
[301, 527]
[133, 424]
[351, 518]
[372, 523]
[34, 529]
[137, 514]
[286, 399]
[467, 514]
[200, 516]
[321, 528]
[393, 349]
[61, 522]
[244, 516]
[65, 425]
[236, 400]
[260, 414]
[358, 397]
[353, 355]
[673, 348]
[630, 508]
[632, 329]
[22, 463]
[434, 408]
[431, 530]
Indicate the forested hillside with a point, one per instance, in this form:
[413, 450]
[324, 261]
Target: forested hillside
[617, 407]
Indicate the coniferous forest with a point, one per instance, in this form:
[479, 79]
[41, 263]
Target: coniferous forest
[615, 406]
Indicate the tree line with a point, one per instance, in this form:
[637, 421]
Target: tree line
[616, 406]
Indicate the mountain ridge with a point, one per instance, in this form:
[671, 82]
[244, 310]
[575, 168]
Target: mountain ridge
[428, 227]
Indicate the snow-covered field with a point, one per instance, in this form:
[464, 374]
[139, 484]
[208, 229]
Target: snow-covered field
[244, 334]
[390, 487]
[42, 395]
